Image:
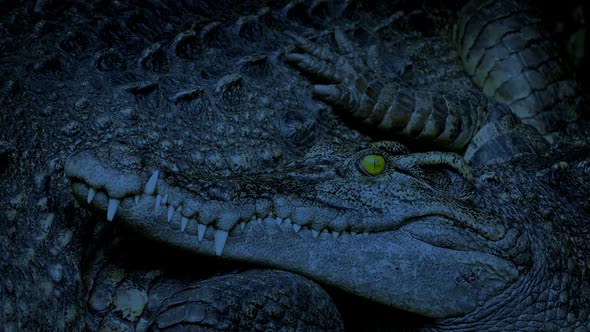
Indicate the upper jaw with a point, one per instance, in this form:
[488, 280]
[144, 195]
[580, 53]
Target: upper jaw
[139, 197]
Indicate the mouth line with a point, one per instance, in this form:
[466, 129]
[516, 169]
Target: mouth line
[188, 221]
[217, 220]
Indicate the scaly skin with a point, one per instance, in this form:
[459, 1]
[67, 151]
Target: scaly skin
[470, 255]
[505, 50]
[155, 74]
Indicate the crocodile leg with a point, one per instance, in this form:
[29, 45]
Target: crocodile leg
[505, 51]
[447, 120]
[253, 300]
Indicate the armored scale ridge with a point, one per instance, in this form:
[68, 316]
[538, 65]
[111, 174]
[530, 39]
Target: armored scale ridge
[283, 165]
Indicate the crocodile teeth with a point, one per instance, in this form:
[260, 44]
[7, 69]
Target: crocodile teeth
[170, 212]
[158, 201]
[91, 193]
[165, 199]
[201, 231]
[220, 238]
[183, 223]
[136, 199]
[296, 228]
[279, 221]
[315, 233]
[335, 234]
[150, 186]
[242, 225]
[113, 205]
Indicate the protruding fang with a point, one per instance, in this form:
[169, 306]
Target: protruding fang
[150, 186]
[315, 233]
[91, 193]
[201, 231]
[335, 234]
[113, 205]
[296, 228]
[366, 233]
[183, 223]
[220, 238]
[165, 199]
[279, 221]
[136, 199]
[170, 212]
[158, 201]
[242, 225]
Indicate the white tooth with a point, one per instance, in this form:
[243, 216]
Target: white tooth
[201, 231]
[259, 221]
[91, 193]
[242, 225]
[136, 199]
[279, 221]
[158, 201]
[150, 186]
[366, 233]
[220, 238]
[315, 233]
[183, 223]
[170, 212]
[288, 221]
[113, 205]
[165, 199]
[296, 228]
[335, 234]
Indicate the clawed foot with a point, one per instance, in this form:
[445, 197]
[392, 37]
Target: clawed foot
[445, 119]
[348, 82]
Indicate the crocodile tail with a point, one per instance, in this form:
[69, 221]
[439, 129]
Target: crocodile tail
[508, 54]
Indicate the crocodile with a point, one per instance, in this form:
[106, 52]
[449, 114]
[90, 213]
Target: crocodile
[507, 251]
[141, 79]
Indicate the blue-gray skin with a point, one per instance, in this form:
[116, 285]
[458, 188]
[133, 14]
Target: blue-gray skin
[477, 262]
[419, 237]
[505, 251]
[506, 52]
[96, 72]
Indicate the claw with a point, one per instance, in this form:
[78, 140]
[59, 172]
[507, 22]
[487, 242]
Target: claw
[345, 98]
[327, 92]
[319, 68]
[320, 52]
[343, 42]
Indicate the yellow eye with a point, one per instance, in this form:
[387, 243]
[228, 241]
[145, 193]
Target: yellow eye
[372, 164]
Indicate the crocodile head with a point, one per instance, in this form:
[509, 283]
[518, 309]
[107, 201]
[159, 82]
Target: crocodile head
[372, 219]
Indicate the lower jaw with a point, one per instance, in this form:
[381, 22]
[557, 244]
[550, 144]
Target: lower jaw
[336, 260]
[386, 267]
